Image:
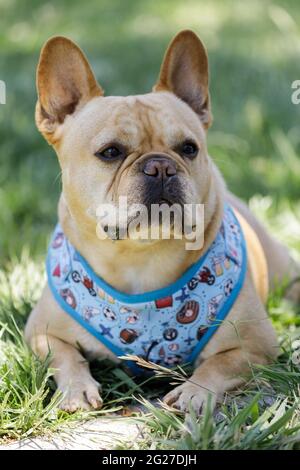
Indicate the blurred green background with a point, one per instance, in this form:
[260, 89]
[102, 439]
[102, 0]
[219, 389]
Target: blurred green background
[254, 51]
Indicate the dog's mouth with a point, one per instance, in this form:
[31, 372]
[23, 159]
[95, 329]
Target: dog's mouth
[157, 212]
[168, 194]
[162, 201]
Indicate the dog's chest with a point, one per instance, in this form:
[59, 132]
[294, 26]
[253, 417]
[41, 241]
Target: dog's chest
[168, 326]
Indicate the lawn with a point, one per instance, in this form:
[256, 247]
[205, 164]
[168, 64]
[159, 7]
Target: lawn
[254, 52]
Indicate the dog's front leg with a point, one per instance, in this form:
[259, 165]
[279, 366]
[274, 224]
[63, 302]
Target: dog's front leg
[72, 373]
[215, 376]
[246, 337]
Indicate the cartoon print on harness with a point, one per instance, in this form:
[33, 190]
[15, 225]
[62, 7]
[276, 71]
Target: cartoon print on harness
[165, 302]
[162, 352]
[109, 313]
[86, 281]
[201, 332]
[58, 240]
[188, 313]
[133, 314]
[222, 262]
[213, 307]
[234, 229]
[128, 335]
[68, 297]
[133, 317]
[169, 360]
[90, 312]
[62, 268]
[183, 295]
[103, 296]
[148, 346]
[228, 287]
[222, 230]
[170, 334]
[217, 264]
[161, 356]
[173, 360]
[205, 276]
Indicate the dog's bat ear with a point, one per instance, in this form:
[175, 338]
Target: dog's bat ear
[184, 72]
[65, 82]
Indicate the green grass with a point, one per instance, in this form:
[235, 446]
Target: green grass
[254, 57]
[252, 426]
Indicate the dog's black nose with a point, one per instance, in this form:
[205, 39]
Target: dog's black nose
[159, 167]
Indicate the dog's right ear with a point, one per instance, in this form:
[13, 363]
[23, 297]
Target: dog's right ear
[65, 82]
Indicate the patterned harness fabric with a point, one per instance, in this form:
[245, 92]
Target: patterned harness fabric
[169, 326]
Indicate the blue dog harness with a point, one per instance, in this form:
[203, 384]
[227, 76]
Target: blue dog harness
[168, 326]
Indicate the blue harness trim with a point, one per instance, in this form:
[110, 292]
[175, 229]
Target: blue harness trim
[167, 326]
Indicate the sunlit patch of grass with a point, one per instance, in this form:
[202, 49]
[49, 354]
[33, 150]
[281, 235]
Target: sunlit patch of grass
[235, 428]
[265, 414]
[282, 219]
[29, 402]
[21, 283]
[28, 406]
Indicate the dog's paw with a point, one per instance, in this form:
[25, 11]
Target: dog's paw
[188, 396]
[81, 396]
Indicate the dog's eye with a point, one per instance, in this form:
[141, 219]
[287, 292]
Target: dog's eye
[188, 149]
[110, 153]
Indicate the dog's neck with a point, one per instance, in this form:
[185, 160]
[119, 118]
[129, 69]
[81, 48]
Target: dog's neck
[133, 267]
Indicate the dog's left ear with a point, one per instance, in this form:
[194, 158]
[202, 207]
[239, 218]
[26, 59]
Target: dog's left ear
[184, 72]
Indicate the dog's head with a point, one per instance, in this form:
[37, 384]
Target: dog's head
[150, 148]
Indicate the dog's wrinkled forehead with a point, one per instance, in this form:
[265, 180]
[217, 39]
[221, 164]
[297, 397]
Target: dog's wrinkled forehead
[153, 121]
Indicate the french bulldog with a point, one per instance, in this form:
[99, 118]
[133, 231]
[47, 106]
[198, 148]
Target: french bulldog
[149, 148]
